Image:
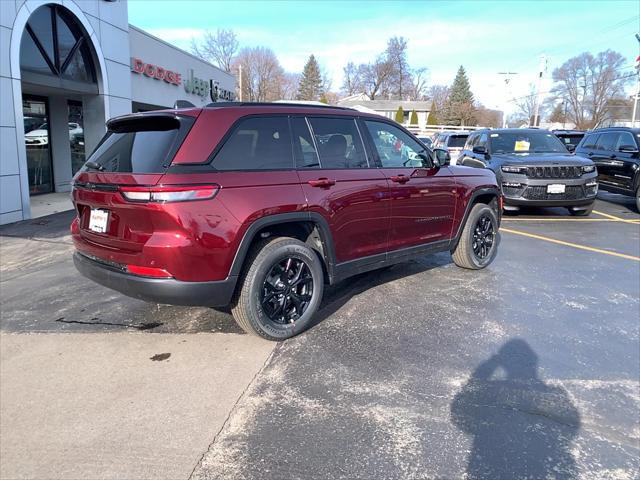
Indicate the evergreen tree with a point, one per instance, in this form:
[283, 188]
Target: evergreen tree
[400, 115]
[460, 107]
[311, 81]
[432, 119]
[414, 118]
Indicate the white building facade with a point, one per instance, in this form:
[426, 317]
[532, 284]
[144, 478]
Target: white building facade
[67, 66]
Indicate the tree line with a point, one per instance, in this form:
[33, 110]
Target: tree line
[587, 88]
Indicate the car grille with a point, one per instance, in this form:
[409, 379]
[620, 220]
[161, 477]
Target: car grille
[554, 171]
[572, 192]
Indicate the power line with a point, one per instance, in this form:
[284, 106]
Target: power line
[624, 77]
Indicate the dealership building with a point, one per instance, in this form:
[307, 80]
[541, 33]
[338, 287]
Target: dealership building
[67, 66]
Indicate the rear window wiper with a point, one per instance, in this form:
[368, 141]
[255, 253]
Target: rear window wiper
[94, 166]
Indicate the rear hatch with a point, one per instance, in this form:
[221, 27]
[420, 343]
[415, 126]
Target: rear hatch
[134, 154]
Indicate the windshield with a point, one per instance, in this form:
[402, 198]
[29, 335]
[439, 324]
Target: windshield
[526, 142]
[457, 141]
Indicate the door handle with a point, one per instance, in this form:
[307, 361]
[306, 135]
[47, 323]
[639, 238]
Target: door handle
[590, 154]
[400, 178]
[613, 156]
[322, 183]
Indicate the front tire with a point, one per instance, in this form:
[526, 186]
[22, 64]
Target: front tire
[478, 243]
[280, 289]
[638, 199]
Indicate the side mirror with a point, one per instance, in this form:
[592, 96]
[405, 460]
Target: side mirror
[570, 147]
[627, 149]
[441, 157]
[480, 150]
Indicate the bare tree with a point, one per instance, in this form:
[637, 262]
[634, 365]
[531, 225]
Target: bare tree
[262, 74]
[526, 106]
[587, 82]
[376, 76]
[439, 94]
[486, 117]
[289, 86]
[217, 48]
[400, 82]
[352, 82]
[418, 85]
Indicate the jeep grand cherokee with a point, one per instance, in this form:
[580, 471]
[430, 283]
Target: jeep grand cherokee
[533, 168]
[257, 206]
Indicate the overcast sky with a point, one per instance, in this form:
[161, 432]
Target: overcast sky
[485, 37]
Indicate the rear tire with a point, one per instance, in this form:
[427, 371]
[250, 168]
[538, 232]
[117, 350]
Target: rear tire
[271, 302]
[477, 248]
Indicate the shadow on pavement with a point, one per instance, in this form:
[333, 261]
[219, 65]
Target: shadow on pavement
[336, 296]
[521, 426]
[49, 227]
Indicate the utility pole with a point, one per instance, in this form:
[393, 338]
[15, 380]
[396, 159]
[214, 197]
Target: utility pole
[543, 69]
[240, 81]
[507, 85]
[635, 99]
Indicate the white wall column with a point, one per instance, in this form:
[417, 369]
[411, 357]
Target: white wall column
[59, 143]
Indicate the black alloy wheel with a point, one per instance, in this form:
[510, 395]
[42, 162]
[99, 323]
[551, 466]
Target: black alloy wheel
[484, 236]
[287, 290]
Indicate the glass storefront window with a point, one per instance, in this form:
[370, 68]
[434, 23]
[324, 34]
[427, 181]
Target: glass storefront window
[36, 140]
[76, 135]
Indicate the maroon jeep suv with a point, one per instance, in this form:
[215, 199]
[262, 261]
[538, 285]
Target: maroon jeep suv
[258, 206]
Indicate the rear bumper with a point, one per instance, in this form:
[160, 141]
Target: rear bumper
[158, 290]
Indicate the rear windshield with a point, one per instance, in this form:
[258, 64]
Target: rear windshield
[457, 141]
[139, 145]
[571, 139]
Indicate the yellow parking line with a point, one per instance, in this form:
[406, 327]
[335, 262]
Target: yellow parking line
[613, 217]
[568, 244]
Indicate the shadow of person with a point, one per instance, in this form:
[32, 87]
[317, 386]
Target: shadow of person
[521, 427]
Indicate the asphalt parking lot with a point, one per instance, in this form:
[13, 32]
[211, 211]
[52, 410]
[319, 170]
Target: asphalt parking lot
[423, 370]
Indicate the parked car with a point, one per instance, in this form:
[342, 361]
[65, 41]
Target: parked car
[257, 206]
[453, 142]
[38, 137]
[614, 150]
[570, 138]
[426, 140]
[533, 168]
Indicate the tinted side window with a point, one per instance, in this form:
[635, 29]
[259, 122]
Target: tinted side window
[260, 143]
[607, 141]
[338, 142]
[471, 142]
[590, 141]
[482, 142]
[305, 150]
[395, 148]
[626, 140]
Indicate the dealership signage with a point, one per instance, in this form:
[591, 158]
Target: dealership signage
[192, 84]
[155, 71]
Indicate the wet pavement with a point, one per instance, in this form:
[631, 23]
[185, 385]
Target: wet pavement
[529, 368]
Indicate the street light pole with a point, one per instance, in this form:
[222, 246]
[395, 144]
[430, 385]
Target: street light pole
[507, 80]
[543, 68]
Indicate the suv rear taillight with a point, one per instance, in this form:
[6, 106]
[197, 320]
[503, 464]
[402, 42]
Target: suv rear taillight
[169, 193]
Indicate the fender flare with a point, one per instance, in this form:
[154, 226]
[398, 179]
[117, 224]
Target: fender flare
[283, 218]
[475, 194]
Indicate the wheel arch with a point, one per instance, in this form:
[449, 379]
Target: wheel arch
[309, 227]
[487, 195]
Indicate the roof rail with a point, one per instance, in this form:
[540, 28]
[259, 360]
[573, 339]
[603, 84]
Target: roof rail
[272, 104]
